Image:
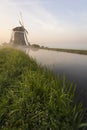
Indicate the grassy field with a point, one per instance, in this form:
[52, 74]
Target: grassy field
[33, 98]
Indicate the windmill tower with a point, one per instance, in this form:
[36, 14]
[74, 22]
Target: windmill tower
[19, 35]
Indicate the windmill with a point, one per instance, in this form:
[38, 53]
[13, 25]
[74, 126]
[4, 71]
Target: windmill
[19, 34]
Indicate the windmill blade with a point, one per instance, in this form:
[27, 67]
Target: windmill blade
[26, 39]
[21, 20]
[21, 23]
[26, 31]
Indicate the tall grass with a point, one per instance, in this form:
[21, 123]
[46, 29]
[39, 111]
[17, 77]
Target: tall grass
[33, 98]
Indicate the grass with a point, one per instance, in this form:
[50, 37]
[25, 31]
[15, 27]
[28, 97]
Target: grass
[33, 98]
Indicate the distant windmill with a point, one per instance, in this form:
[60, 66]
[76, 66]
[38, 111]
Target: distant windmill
[19, 34]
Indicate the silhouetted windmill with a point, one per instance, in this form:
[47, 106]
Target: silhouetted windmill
[19, 35]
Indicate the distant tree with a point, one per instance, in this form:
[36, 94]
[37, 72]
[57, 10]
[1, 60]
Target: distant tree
[42, 46]
[36, 45]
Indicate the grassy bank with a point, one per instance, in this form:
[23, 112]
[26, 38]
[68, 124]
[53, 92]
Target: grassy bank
[33, 98]
[83, 52]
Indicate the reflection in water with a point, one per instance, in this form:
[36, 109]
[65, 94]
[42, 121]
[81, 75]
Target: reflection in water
[74, 66]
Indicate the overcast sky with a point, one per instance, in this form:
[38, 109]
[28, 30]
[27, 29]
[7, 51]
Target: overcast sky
[53, 23]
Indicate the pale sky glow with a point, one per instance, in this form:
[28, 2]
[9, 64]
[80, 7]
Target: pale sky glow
[53, 23]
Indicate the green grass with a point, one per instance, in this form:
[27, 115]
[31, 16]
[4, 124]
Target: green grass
[33, 98]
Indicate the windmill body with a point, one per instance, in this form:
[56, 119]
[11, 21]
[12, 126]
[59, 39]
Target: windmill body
[19, 35]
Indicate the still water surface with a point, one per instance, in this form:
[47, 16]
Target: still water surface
[73, 66]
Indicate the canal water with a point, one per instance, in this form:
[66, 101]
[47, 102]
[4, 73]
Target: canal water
[73, 66]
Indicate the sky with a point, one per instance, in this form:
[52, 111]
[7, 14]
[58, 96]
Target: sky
[51, 23]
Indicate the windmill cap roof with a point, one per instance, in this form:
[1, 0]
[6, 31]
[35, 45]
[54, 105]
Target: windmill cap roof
[19, 28]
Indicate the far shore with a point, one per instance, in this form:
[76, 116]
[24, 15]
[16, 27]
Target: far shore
[82, 52]
[74, 51]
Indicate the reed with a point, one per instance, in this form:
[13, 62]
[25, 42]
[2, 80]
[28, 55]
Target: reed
[33, 98]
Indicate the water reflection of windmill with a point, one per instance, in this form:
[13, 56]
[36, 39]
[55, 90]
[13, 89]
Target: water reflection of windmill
[19, 35]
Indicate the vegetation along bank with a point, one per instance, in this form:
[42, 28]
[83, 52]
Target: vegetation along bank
[33, 98]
